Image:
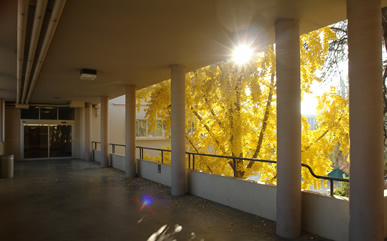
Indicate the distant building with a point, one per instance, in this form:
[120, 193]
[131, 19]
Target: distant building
[338, 173]
[312, 121]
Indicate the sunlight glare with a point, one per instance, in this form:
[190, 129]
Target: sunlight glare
[248, 91]
[242, 54]
[308, 105]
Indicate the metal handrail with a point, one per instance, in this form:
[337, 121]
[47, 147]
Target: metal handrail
[193, 154]
[141, 149]
[225, 157]
[330, 179]
[114, 147]
[94, 143]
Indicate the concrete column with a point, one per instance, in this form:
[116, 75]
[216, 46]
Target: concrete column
[130, 131]
[104, 131]
[2, 120]
[2, 126]
[366, 120]
[88, 130]
[288, 128]
[178, 130]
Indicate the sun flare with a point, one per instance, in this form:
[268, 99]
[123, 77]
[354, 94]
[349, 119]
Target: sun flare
[242, 54]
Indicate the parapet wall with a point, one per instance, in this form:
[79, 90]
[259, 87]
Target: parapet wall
[322, 214]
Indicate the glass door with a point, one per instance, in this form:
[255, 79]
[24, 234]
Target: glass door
[47, 140]
[60, 140]
[35, 141]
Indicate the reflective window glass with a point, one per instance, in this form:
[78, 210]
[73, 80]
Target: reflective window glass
[48, 113]
[66, 113]
[31, 113]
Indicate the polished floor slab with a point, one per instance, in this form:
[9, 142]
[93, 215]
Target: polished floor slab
[77, 200]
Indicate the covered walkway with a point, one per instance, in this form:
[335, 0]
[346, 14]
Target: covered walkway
[78, 200]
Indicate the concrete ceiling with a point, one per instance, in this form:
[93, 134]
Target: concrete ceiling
[135, 42]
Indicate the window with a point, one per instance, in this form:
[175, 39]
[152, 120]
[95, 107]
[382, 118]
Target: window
[31, 113]
[142, 127]
[48, 113]
[66, 113]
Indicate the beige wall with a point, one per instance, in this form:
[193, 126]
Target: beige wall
[117, 120]
[12, 132]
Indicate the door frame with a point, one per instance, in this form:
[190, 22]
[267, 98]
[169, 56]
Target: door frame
[48, 123]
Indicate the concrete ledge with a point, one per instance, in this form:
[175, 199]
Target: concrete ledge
[321, 214]
[325, 215]
[247, 196]
[385, 214]
[118, 161]
[97, 156]
[150, 170]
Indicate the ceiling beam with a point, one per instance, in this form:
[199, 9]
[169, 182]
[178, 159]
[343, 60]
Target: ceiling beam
[53, 23]
[40, 10]
[21, 36]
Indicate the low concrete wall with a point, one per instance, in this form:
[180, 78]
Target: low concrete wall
[329, 216]
[385, 213]
[325, 215]
[118, 161]
[97, 156]
[150, 170]
[322, 214]
[251, 197]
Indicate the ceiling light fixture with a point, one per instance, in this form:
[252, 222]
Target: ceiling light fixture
[88, 74]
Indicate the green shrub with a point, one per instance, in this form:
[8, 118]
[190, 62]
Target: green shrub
[343, 190]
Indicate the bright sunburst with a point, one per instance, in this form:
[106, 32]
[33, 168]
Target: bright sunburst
[242, 54]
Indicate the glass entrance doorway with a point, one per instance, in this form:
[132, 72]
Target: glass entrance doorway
[47, 140]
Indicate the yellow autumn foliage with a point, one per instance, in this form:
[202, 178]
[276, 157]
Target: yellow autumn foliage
[231, 111]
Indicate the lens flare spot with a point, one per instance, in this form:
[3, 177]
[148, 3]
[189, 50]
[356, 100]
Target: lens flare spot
[146, 200]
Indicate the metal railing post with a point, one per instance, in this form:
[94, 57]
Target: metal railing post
[113, 148]
[93, 150]
[193, 161]
[332, 186]
[162, 157]
[235, 167]
[189, 161]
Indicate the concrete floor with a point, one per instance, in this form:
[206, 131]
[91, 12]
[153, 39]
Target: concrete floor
[77, 200]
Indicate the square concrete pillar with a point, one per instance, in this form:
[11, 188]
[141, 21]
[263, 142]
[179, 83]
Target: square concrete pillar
[104, 131]
[130, 131]
[288, 128]
[178, 130]
[88, 131]
[366, 120]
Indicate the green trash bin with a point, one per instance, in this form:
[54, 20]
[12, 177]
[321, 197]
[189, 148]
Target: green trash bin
[6, 166]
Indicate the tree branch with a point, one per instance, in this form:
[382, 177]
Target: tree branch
[197, 151]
